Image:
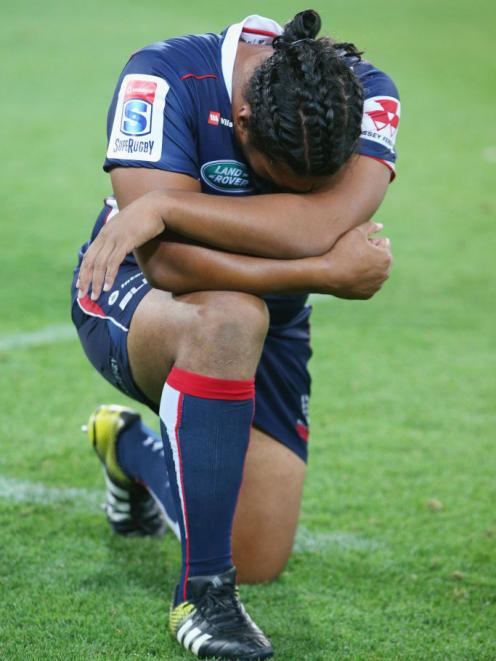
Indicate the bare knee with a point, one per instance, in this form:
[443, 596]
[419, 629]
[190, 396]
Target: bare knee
[258, 567]
[226, 331]
[225, 313]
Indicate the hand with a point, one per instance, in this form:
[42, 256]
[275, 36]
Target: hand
[358, 264]
[135, 225]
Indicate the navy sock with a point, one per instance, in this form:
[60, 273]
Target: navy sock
[205, 425]
[140, 454]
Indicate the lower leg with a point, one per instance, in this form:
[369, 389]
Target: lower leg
[206, 412]
[206, 433]
[140, 454]
[268, 506]
[268, 509]
[218, 337]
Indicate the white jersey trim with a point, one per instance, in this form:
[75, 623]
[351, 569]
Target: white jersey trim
[261, 31]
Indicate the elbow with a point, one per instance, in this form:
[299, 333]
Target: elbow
[151, 278]
[312, 245]
[162, 272]
[313, 241]
[165, 278]
[300, 245]
[150, 265]
[155, 275]
[150, 271]
[158, 279]
[293, 251]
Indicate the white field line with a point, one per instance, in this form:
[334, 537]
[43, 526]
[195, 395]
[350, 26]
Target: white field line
[489, 154]
[308, 541]
[21, 491]
[47, 335]
[67, 332]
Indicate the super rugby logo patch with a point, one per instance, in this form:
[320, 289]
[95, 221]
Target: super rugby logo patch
[381, 117]
[227, 176]
[137, 131]
[137, 110]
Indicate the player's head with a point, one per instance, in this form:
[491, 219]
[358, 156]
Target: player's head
[305, 102]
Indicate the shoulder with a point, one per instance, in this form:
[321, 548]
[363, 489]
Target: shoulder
[154, 115]
[374, 81]
[381, 113]
[177, 56]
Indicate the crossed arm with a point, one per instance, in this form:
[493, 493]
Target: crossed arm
[277, 243]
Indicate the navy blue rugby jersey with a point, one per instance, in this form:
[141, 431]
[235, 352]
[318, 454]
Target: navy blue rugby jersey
[171, 110]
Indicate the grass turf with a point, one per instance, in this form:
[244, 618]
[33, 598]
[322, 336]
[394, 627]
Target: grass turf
[396, 555]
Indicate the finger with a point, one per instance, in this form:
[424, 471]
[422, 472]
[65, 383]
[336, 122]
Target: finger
[370, 227]
[114, 262]
[380, 242]
[87, 264]
[85, 270]
[385, 246]
[100, 269]
[376, 227]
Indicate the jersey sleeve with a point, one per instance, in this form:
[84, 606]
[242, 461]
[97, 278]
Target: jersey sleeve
[149, 123]
[381, 117]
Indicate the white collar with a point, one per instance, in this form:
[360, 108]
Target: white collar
[254, 30]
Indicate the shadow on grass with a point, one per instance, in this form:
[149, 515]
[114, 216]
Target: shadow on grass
[148, 565]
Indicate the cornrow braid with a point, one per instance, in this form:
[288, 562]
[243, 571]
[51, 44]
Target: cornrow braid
[306, 102]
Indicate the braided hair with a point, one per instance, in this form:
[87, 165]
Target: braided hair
[306, 102]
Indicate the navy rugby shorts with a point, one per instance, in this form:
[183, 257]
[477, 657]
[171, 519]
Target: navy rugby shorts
[282, 379]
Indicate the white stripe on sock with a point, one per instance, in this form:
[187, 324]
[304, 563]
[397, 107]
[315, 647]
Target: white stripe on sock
[168, 415]
[173, 525]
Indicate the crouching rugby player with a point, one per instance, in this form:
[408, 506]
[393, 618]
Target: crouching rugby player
[245, 168]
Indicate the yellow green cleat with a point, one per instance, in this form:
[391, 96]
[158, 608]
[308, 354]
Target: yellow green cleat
[213, 623]
[130, 508]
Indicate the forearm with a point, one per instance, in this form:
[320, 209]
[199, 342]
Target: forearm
[249, 225]
[281, 226]
[182, 268]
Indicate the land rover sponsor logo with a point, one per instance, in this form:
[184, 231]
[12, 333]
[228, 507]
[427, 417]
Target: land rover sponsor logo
[227, 176]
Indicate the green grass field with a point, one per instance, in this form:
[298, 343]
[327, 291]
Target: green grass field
[396, 554]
